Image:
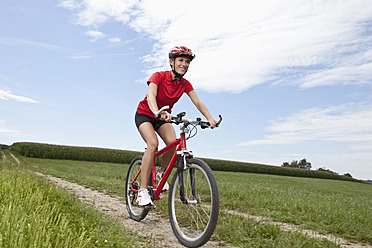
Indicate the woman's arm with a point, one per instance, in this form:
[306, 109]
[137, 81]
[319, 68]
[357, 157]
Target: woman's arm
[151, 97]
[202, 108]
[151, 101]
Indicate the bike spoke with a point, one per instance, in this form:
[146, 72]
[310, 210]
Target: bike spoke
[194, 222]
[132, 186]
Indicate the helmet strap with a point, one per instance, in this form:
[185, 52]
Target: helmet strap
[177, 76]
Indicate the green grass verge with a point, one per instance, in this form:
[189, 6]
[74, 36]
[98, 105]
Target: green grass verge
[243, 232]
[36, 213]
[327, 206]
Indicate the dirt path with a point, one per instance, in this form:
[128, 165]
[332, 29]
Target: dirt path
[155, 230]
[293, 228]
[15, 158]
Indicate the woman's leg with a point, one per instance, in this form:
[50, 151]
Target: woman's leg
[149, 136]
[168, 135]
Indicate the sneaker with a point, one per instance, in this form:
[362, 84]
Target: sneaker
[143, 198]
[159, 176]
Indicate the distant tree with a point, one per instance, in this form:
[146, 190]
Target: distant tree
[348, 175]
[3, 147]
[302, 164]
[294, 164]
[286, 164]
[327, 170]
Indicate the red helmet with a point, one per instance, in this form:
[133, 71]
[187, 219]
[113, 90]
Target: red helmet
[181, 51]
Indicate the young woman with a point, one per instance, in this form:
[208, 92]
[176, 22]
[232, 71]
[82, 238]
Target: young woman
[165, 88]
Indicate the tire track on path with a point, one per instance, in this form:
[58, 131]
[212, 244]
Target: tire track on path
[15, 158]
[293, 228]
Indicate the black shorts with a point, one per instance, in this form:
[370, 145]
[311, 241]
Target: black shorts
[139, 119]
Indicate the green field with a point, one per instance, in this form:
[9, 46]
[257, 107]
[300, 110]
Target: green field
[340, 208]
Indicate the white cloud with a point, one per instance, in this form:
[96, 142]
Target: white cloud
[355, 70]
[268, 43]
[97, 12]
[15, 41]
[349, 124]
[8, 131]
[240, 44]
[114, 39]
[7, 95]
[95, 35]
[98, 35]
[335, 137]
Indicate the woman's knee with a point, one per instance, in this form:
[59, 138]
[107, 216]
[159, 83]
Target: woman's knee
[152, 145]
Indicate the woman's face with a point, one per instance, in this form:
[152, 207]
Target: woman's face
[181, 64]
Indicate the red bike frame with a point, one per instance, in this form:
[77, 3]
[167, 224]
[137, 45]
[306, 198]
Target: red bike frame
[181, 145]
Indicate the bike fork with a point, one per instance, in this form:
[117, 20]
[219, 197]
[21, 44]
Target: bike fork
[181, 168]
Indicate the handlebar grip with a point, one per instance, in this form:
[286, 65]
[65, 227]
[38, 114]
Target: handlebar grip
[219, 121]
[204, 124]
[160, 110]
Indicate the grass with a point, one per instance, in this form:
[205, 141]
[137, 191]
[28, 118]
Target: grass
[327, 206]
[105, 177]
[36, 213]
[244, 232]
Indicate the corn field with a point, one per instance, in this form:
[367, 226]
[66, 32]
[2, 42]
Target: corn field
[93, 154]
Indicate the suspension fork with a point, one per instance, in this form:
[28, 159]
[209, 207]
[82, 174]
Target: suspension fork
[181, 167]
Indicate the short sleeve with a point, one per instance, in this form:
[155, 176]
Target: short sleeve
[155, 78]
[189, 87]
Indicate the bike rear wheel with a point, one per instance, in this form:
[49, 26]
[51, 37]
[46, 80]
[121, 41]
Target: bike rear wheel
[194, 222]
[132, 186]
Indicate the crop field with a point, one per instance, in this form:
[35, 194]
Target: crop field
[330, 207]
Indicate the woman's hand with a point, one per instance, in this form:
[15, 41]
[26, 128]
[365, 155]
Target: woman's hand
[165, 116]
[212, 123]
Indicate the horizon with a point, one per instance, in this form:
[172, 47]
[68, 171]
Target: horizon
[247, 162]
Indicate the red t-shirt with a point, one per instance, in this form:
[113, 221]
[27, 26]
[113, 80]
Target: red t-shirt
[168, 92]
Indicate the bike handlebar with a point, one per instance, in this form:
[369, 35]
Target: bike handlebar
[157, 114]
[178, 119]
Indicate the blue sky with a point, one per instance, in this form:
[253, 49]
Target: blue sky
[292, 79]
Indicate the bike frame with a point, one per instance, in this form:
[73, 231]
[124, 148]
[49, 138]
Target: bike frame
[181, 146]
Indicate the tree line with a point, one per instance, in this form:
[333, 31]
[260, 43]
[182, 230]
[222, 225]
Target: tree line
[306, 165]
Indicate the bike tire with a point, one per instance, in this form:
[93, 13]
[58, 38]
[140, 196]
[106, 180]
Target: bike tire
[135, 211]
[194, 224]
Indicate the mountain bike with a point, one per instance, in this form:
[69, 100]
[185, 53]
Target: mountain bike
[193, 201]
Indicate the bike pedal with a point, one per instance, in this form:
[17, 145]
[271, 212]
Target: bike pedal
[149, 207]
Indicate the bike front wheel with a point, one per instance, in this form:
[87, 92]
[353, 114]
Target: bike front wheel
[132, 186]
[194, 219]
